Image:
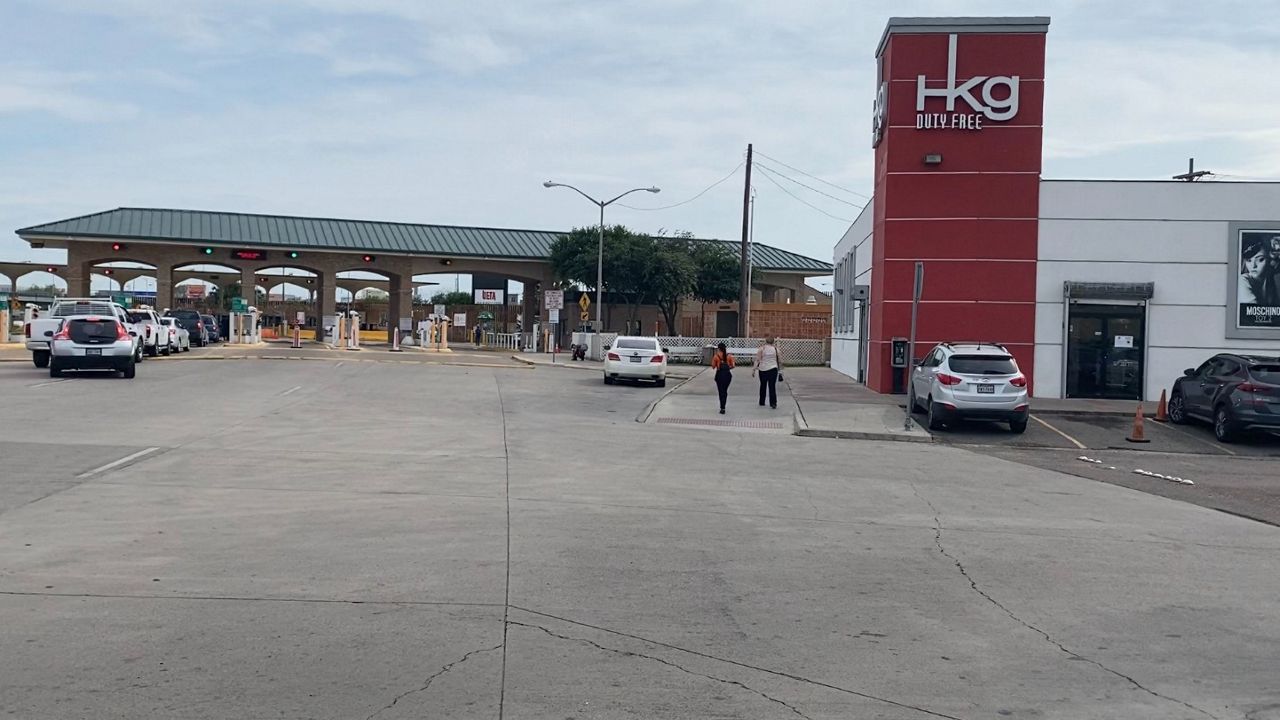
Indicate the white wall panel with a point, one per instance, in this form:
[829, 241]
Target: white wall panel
[1175, 284]
[1159, 200]
[1138, 241]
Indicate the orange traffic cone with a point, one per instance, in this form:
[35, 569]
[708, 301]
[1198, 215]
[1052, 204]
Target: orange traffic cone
[1162, 410]
[1137, 435]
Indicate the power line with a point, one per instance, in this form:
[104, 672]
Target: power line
[815, 177]
[768, 175]
[810, 187]
[708, 189]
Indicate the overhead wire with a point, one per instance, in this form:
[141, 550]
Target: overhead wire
[706, 190]
[783, 175]
[768, 175]
[815, 177]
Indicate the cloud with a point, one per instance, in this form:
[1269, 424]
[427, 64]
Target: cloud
[469, 52]
[64, 95]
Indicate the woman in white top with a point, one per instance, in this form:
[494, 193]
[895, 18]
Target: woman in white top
[769, 367]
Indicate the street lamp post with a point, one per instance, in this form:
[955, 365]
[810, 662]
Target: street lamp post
[600, 253]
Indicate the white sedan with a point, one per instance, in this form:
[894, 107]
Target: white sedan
[179, 337]
[636, 358]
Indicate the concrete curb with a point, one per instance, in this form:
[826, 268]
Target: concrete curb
[858, 435]
[643, 417]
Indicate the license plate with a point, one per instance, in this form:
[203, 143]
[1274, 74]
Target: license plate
[93, 351]
[635, 358]
[988, 389]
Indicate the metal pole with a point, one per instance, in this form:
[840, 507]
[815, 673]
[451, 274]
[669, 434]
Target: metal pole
[744, 292]
[917, 290]
[600, 269]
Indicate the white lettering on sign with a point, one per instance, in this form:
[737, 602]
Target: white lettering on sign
[879, 111]
[978, 92]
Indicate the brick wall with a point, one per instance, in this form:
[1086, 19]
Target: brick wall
[808, 322]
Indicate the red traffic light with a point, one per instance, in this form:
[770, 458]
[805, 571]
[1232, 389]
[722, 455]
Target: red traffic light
[51, 269]
[368, 258]
[117, 247]
[108, 271]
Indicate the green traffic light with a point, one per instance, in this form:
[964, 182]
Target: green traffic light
[293, 255]
[208, 251]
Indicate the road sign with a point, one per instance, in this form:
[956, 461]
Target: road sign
[554, 300]
[460, 319]
[238, 305]
[553, 316]
[584, 316]
[584, 302]
[302, 317]
[439, 310]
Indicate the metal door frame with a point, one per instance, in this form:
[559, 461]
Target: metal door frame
[1069, 301]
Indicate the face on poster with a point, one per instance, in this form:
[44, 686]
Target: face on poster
[1258, 279]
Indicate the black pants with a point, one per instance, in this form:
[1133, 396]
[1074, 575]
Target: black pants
[769, 381]
[722, 386]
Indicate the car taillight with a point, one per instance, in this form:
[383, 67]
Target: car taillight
[614, 356]
[948, 380]
[656, 358]
[26, 330]
[199, 325]
[1252, 388]
[1019, 382]
[121, 332]
[63, 334]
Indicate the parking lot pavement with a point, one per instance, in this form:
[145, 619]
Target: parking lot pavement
[354, 540]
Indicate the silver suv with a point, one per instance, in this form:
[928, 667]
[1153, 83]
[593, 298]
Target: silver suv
[969, 380]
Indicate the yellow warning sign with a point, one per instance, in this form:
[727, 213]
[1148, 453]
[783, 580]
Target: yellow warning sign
[584, 302]
[584, 316]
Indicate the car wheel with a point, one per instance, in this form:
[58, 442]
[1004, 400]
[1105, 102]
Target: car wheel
[129, 371]
[1017, 427]
[166, 351]
[40, 358]
[608, 380]
[661, 383]
[1224, 427]
[1177, 408]
[935, 418]
[153, 351]
[54, 370]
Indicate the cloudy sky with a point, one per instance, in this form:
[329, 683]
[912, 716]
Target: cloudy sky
[455, 112]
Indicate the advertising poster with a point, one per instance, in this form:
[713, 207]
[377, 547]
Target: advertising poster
[1258, 279]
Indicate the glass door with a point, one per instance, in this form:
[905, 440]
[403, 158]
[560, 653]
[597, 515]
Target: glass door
[1105, 346]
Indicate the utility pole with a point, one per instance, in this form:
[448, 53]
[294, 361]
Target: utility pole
[744, 293]
[1191, 175]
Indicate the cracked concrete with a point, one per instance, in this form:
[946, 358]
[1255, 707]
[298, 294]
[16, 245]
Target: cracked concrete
[347, 551]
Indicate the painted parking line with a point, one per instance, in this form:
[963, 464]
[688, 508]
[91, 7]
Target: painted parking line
[117, 463]
[1070, 439]
[46, 384]
[290, 391]
[1192, 436]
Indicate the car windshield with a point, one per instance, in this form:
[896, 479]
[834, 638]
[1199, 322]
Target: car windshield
[166, 321]
[982, 364]
[636, 344]
[1266, 373]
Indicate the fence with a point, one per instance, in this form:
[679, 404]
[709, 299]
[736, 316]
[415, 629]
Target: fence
[792, 351]
[503, 341]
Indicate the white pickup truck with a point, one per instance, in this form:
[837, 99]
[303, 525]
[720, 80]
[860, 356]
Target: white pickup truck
[40, 329]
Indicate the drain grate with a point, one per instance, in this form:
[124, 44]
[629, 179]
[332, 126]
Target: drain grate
[763, 424]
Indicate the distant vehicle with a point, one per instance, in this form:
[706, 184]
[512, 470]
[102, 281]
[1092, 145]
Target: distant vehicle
[979, 381]
[93, 342]
[211, 328]
[155, 339]
[179, 338]
[1234, 392]
[194, 323]
[636, 358]
[39, 330]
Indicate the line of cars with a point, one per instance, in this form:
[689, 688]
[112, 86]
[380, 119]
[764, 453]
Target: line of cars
[1234, 393]
[98, 334]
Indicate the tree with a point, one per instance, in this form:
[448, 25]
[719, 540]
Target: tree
[452, 298]
[719, 271]
[49, 290]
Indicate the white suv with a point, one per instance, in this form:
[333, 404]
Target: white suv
[970, 380]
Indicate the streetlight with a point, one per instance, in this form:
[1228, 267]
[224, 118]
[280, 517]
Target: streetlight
[600, 255]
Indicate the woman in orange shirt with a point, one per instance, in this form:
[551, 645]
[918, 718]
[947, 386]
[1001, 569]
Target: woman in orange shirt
[722, 365]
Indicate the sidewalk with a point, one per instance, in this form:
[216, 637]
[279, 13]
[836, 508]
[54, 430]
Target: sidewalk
[694, 403]
[14, 352]
[835, 406]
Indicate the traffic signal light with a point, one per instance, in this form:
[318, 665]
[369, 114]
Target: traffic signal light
[117, 247]
[207, 251]
[51, 269]
[293, 254]
[108, 271]
[368, 258]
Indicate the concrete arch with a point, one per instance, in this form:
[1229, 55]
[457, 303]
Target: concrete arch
[15, 280]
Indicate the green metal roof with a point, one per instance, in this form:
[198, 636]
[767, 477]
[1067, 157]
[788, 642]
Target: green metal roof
[242, 229]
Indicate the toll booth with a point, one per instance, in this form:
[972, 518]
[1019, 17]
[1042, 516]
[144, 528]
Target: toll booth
[245, 328]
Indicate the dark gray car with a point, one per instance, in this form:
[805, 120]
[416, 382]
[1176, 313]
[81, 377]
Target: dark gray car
[191, 320]
[211, 327]
[1234, 392]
